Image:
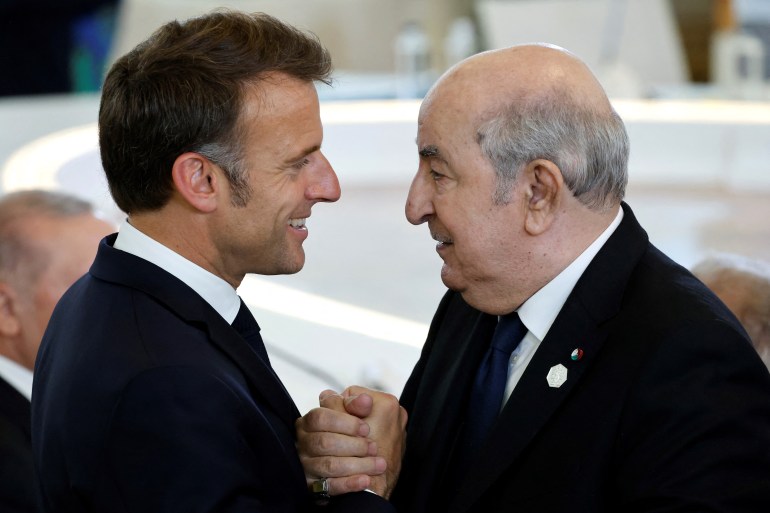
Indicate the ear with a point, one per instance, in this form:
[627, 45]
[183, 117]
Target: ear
[545, 185]
[197, 180]
[10, 326]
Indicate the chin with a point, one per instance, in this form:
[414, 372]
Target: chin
[284, 265]
[295, 266]
[291, 267]
[452, 283]
[470, 294]
[450, 278]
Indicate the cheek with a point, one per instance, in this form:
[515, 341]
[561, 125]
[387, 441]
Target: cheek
[480, 252]
[488, 242]
[472, 228]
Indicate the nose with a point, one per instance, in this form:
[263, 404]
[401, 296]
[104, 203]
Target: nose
[325, 186]
[419, 206]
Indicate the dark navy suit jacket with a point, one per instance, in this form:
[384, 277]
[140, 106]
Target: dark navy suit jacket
[17, 479]
[667, 411]
[146, 400]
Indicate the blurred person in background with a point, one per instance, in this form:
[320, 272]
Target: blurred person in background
[743, 284]
[47, 241]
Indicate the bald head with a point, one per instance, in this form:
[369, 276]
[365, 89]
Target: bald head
[532, 73]
[47, 240]
[539, 101]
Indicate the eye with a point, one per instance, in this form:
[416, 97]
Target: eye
[435, 175]
[302, 163]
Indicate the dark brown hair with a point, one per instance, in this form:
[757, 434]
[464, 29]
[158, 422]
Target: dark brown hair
[182, 90]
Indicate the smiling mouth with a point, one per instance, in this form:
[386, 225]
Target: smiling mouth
[299, 223]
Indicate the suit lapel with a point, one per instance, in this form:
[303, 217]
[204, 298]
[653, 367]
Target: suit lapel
[125, 269]
[460, 369]
[453, 354]
[581, 323]
[533, 401]
[265, 382]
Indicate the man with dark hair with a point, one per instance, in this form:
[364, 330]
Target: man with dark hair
[47, 241]
[571, 367]
[153, 389]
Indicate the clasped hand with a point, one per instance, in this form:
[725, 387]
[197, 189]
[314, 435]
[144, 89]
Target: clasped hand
[355, 439]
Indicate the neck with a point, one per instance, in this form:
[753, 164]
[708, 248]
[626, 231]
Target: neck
[186, 234]
[573, 230]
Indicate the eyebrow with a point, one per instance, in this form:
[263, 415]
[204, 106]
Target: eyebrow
[302, 154]
[429, 151]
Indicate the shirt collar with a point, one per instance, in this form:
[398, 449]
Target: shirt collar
[18, 376]
[539, 311]
[213, 289]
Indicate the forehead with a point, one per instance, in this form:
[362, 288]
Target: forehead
[278, 95]
[280, 120]
[449, 121]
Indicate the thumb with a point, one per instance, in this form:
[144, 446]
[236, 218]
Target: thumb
[359, 405]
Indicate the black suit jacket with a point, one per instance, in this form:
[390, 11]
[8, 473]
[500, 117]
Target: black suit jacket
[146, 400]
[17, 479]
[668, 410]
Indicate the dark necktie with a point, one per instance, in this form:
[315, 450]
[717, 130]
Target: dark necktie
[247, 327]
[489, 385]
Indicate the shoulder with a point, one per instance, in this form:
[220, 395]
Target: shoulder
[669, 298]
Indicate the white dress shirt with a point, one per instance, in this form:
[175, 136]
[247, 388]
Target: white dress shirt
[18, 376]
[539, 311]
[213, 289]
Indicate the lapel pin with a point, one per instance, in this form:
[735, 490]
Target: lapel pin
[557, 376]
[577, 354]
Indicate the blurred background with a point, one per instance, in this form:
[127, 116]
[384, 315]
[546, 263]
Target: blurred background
[691, 79]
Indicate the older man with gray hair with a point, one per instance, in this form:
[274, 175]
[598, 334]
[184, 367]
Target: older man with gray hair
[572, 366]
[743, 284]
[47, 241]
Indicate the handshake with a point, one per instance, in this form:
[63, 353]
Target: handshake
[353, 441]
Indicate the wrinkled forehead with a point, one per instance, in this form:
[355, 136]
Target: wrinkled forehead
[455, 104]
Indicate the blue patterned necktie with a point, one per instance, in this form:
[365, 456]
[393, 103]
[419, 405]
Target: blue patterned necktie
[489, 385]
[247, 327]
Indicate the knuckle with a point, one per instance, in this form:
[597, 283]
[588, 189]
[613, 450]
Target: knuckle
[328, 466]
[325, 444]
[310, 420]
[310, 446]
[389, 399]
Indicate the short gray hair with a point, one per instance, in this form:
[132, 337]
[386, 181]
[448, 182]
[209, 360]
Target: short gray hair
[590, 147]
[17, 256]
